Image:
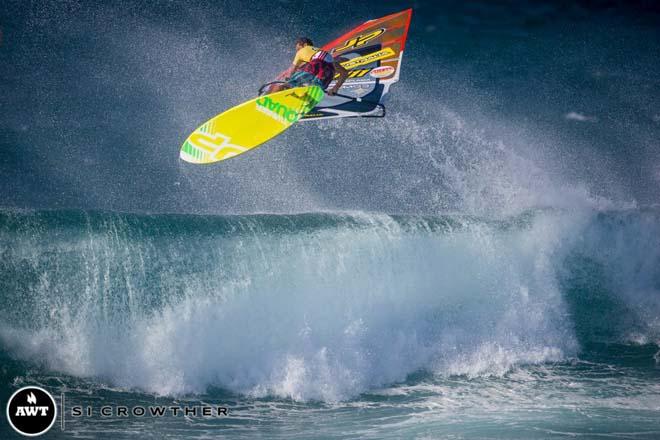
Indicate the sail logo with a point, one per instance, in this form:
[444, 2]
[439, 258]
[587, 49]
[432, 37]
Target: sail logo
[277, 111]
[31, 411]
[369, 58]
[360, 40]
[382, 71]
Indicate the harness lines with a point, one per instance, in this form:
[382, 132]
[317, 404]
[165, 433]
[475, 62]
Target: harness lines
[321, 66]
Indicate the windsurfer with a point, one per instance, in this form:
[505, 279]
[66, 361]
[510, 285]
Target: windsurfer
[311, 66]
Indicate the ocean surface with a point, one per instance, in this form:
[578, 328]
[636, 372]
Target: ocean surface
[483, 263]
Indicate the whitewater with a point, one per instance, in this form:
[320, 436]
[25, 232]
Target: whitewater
[533, 310]
[483, 263]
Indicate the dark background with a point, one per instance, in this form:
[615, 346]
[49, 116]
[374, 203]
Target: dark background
[502, 106]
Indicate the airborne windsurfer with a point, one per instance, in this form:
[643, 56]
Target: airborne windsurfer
[311, 66]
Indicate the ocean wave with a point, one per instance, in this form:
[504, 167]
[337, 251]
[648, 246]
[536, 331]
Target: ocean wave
[320, 305]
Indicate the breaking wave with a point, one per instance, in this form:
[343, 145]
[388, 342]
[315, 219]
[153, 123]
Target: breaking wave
[320, 306]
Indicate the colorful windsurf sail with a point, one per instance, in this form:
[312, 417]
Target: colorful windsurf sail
[372, 53]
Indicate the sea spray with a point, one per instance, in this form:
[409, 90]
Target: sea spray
[310, 306]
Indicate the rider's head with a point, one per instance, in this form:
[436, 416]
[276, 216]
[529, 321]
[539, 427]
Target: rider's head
[302, 42]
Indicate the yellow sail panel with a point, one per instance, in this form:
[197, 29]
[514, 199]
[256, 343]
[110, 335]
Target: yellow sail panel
[369, 58]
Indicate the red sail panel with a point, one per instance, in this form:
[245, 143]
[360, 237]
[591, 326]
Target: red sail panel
[396, 30]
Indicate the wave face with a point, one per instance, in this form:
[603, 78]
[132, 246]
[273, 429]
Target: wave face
[320, 306]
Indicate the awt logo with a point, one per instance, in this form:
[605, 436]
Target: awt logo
[31, 411]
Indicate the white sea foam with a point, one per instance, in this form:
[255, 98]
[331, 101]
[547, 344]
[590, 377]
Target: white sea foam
[575, 116]
[322, 314]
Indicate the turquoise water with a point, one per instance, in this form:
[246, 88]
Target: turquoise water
[483, 263]
[339, 325]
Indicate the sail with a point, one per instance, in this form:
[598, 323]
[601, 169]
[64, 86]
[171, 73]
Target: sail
[372, 53]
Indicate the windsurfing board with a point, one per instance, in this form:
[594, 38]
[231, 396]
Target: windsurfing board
[248, 125]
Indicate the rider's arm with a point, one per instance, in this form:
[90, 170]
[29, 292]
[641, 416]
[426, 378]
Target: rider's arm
[287, 73]
[297, 60]
[343, 74]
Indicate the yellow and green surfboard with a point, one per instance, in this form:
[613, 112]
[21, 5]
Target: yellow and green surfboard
[248, 125]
